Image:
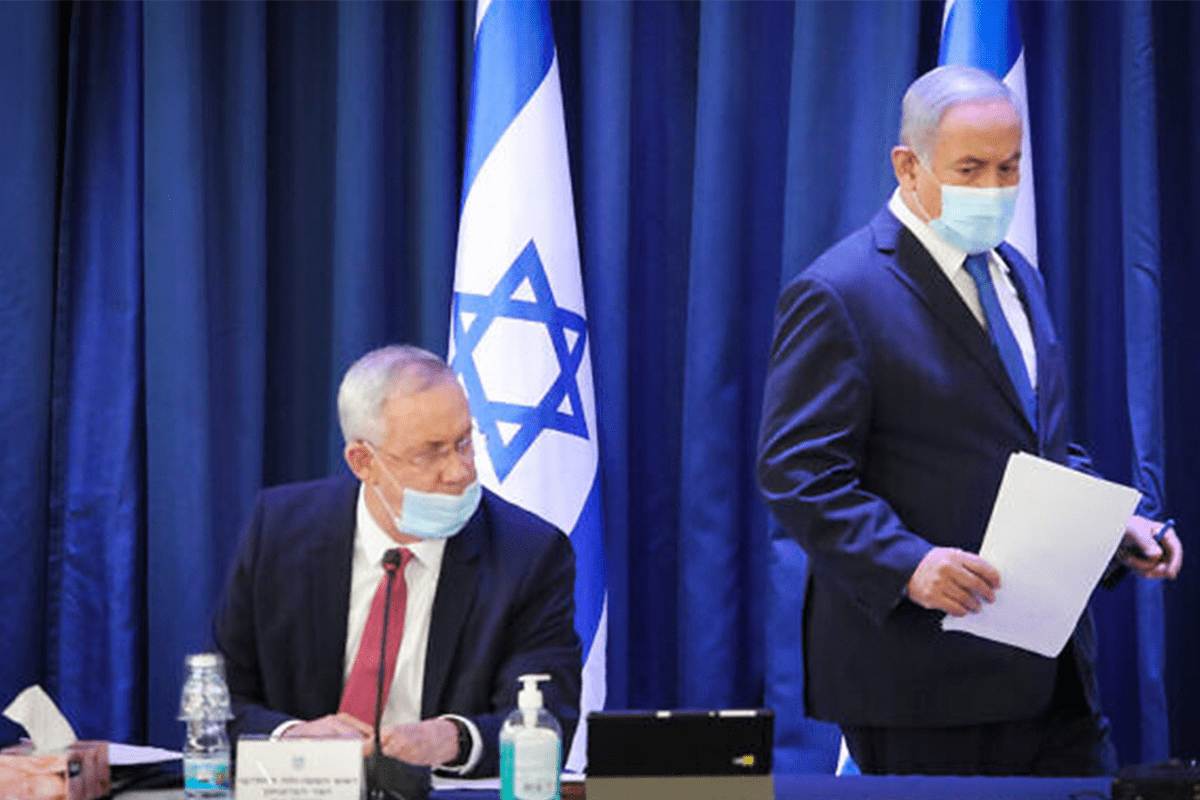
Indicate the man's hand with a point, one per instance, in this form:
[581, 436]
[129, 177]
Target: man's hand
[430, 742]
[1155, 560]
[954, 581]
[333, 726]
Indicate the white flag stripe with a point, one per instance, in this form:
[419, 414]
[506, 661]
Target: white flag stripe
[481, 9]
[509, 204]
[1022, 233]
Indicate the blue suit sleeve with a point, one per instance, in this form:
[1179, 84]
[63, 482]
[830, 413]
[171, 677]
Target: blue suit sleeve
[816, 422]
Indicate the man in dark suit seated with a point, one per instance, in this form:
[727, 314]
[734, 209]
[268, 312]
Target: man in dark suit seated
[909, 361]
[483, 590]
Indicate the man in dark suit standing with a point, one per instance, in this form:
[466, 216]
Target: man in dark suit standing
[909, 361]
[482, 590]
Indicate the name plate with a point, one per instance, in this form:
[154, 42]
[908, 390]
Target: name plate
[299, 769]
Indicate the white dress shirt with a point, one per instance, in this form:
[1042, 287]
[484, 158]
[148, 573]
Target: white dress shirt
[950, 259]
[421, 578]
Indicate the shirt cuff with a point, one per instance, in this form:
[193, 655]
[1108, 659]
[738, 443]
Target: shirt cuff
[476, 747]
[283, 726]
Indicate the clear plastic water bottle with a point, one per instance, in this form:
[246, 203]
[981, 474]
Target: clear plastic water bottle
[204, 706]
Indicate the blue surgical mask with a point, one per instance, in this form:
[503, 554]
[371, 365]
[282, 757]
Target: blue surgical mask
[974, 219]
[431, 515]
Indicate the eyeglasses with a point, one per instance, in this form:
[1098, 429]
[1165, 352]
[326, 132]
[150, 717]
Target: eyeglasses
[433, 455]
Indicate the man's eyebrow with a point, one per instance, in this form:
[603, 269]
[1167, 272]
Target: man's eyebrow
[973, 161]
[442, 442]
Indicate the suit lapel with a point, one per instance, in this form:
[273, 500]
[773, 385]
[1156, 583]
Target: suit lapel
[329, 592]
[451, 603]
[915, 267]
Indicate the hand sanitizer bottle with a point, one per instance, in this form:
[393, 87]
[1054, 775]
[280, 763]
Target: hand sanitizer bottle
[530, 747]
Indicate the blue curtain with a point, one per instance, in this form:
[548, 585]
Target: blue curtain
[1177, 67]
[211, 209]
[31, 151]
[1109, 88]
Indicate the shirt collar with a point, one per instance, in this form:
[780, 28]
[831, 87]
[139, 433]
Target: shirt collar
[372, 541]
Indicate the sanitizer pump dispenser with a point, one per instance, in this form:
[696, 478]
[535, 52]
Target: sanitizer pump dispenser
[530, 747]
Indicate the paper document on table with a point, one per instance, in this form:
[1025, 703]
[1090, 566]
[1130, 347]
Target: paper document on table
[1051, 534]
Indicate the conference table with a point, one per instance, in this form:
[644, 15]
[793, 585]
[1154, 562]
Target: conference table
[858, 787]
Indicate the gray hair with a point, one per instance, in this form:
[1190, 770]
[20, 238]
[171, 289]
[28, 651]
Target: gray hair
[932, 94]
[375, 377]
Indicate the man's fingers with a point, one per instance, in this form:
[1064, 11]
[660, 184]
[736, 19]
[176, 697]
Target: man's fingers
[1159, 572]
[395, 742]
[958, 605]
[433, 741]
[973, 576]
[982, 570]
[1161, 560]
[971, 596]
[975, 586]
[332, 726]
[405, 746]
[1174, 550]
[355, 724]
[954, 581]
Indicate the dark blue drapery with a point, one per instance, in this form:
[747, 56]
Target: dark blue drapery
[210, 209]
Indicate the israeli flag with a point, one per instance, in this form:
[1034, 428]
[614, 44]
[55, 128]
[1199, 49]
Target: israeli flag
[987, 34]
[518, 329]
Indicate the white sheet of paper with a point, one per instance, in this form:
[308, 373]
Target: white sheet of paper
[124, 755]
[1051, 534]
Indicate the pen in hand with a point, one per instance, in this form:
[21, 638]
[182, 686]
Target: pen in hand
[1136, 552]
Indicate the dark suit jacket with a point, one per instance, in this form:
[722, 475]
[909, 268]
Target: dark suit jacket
[504, 607]
[888, 421]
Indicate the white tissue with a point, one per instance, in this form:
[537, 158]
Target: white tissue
[48, 729]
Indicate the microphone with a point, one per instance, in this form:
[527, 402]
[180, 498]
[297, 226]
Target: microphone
[389, 777]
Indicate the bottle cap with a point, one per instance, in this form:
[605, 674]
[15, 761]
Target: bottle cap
[202, 660]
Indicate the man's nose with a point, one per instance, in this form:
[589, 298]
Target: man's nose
[991, 179]
[998, 177]
[458, 468]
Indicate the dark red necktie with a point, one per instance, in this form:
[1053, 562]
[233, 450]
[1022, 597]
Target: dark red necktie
[358, 698]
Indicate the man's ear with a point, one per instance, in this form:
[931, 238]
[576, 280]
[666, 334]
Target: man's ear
[358, 456]
[904, 164]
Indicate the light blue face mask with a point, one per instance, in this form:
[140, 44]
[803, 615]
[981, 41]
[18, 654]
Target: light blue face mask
[431, 515]
[974, 219]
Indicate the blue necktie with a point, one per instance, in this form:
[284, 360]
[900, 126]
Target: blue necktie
[1002, 335]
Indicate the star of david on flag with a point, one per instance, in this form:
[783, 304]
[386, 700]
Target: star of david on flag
[523, 293]
[518, 329]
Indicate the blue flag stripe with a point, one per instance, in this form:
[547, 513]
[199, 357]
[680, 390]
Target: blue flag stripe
[513, 52]
[590, 580]
[982, 33]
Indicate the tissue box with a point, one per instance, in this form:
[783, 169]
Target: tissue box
[78, 773]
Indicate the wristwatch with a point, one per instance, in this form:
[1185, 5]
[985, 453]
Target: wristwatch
[464, 743]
